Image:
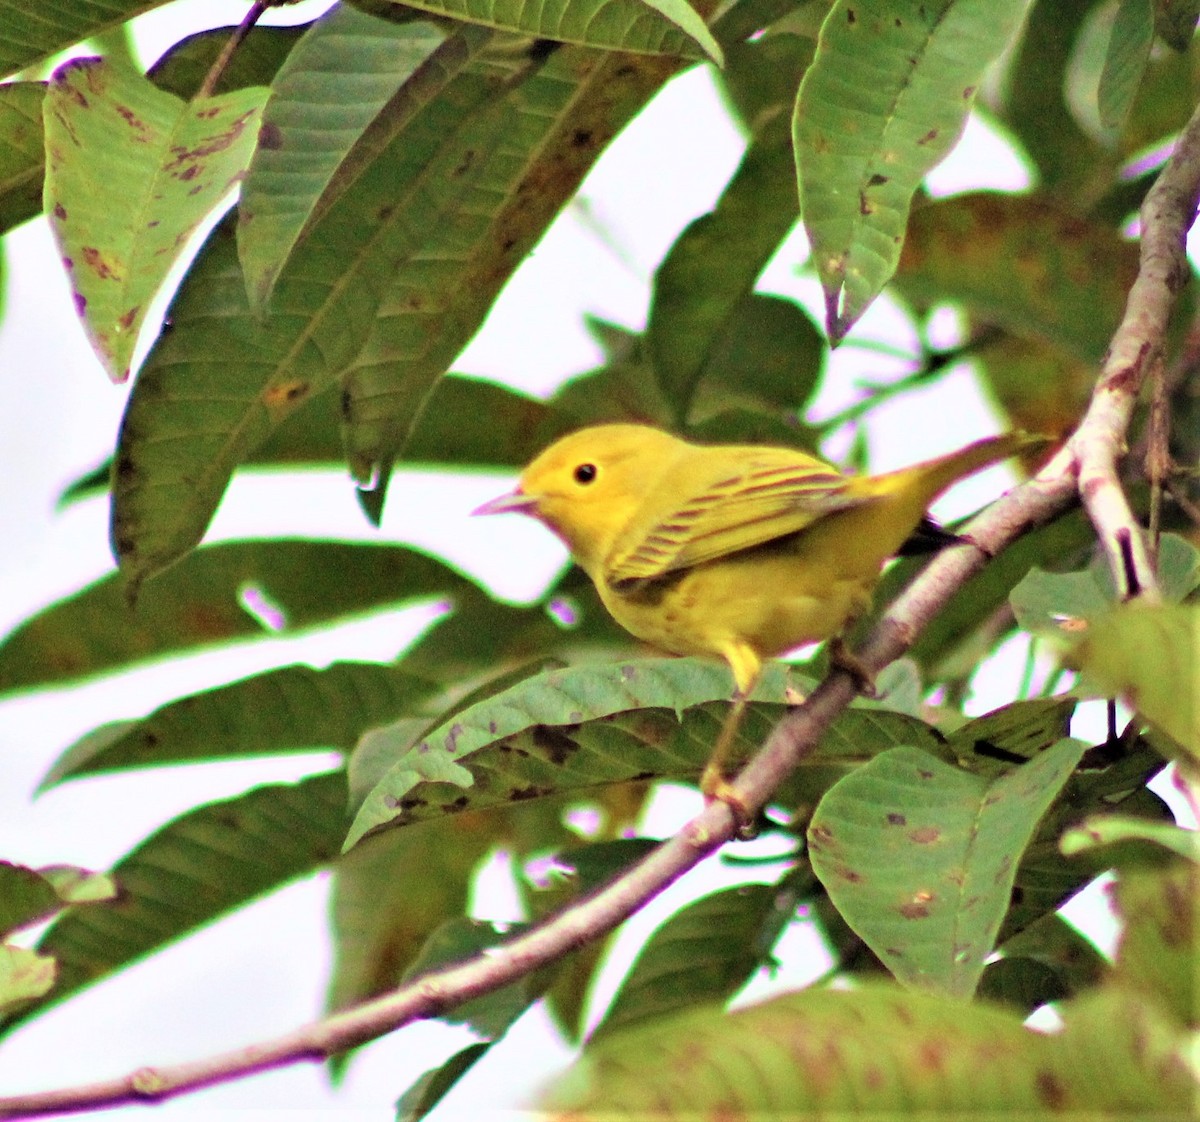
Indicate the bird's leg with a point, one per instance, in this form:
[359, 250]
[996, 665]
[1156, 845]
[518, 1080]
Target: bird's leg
[841, 657]
[713, 782]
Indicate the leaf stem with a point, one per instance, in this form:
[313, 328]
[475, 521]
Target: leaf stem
[209, 85]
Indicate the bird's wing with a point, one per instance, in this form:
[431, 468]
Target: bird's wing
[757, 499]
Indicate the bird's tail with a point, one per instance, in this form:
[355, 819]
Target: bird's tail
[932, 477]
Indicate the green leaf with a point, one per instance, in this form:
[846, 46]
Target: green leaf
[977, 601]
[183, 67]
[429, 1089]
[492, 1014]
[394, 890]
[704, 953]
[768, 360]
[1126, 58]
[482, 636]
[131, 173]
[566, 730]
[25, 897]
[28, 896]
[1175, 21]
[469, 423]
[1157, 953]
[199, 603]
[1146, 655]
[1059, 945]
[920, 857]
[576, 872]
[703, 302]
[352, 82]
[1115, 829]
[1035, 105]
[1118, 1053]
[22, 153]
[1111, 778]
[1048, 961]
[25, 976]
[1012, 734]
[885, 99]
[1024, 262]
[879, 1052]
[198, 867]
[1063, 603]
[33, 30]
[502, 168]
[291, 709]
[670, 27]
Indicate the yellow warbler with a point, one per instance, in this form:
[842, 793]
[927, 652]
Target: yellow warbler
[733, 550]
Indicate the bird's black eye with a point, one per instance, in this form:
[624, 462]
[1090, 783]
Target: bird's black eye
[585, 473]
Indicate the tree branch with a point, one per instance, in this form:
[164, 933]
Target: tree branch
[1167, 214]
[1087, 462]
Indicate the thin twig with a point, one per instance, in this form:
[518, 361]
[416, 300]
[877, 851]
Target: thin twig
[1167, 214]
[234, 41]
[1088, 460]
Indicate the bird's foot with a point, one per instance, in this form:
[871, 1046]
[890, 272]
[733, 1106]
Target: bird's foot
[716, 788]
[841, 657]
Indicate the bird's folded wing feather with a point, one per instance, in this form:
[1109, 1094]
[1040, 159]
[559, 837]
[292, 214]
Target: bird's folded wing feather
[769, 497]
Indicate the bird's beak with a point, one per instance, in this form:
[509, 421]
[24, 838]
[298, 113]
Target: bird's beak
[514, 502]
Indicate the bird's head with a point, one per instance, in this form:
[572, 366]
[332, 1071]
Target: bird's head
[587, 486]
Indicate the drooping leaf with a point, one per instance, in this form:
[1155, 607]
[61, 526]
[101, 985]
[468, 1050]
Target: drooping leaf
[1126, 58]
[704, 286]
[22, 152]
[670, 27]
[350, 73]
[1023, 262]
[33, 30]
[920, 857]
[704, 953]
[131, 173]
[570, 731]
[469, 423]
[877, 1052]
[501, 173]
[291, 709]
[196, 868]
[561, 732]
[200, 602]
[886, 97]
[430, 1088]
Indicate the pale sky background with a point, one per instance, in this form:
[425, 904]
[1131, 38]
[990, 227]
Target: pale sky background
[262, 971]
